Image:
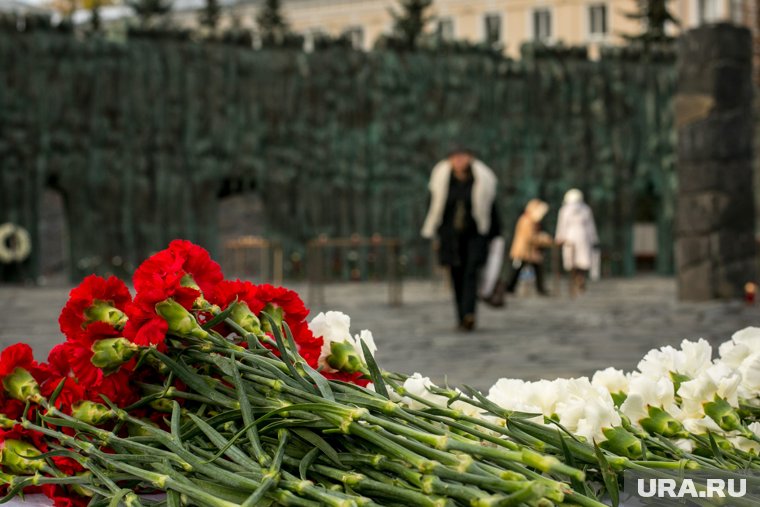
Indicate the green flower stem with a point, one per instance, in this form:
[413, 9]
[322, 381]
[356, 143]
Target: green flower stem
[248, 419]
[533, 459]
[443, 442]
[195, 381]
[579, 450]
[364, 484]
[667, 465]
[426, 482]
[166, 482]
[173, 393]
[178, 453]
[302, 487]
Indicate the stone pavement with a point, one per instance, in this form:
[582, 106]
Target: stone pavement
[614, 324]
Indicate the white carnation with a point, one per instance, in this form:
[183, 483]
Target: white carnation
[418, 385]
[645, 391]
[742, 353]
[613, 380]
[690, 360]
[578, 405]
[745, 444]
[335, 327]
[718, 380]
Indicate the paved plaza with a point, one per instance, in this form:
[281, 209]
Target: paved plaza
[614, 324]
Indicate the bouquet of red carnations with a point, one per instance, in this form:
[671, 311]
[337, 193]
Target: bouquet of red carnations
[216, 392]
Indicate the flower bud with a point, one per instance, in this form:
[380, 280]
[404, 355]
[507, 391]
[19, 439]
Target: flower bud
[181, 322]
[242, 315]
[6, 423]
[622, 442]
[162, 405]
[660, 422]
[102, 311]
[343, 357]
[21, 386]
[200, 302]
[110, 353]
[139, 429]
[188, 281]
[14, 456]
[723, 414]
[276, 313]
[92, 413]
[619, 398]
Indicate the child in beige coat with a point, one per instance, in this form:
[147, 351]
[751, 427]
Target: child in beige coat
[527, 244]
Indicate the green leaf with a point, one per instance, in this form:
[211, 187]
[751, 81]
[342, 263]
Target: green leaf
[322, 384]
[374, 371]
[608, 475]
[220, 317]
[579, 486]
[55, 394]
[715, 448]
[319, 443]
[116, 499]
[307, 461]
[285, 355]
[175, 422]
[173, 499]
[248, 416]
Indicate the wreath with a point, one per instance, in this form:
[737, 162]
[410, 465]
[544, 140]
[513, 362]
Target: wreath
[15, 243]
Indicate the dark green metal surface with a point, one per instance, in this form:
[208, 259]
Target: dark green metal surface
[142, 139]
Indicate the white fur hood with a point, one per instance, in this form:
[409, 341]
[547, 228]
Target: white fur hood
[483, 195]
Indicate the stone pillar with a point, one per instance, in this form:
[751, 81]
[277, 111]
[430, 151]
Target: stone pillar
[715, 221]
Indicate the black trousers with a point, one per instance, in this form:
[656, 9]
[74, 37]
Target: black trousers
[538, 269]
[464, 277]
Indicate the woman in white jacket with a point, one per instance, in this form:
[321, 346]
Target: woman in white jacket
[576, 231]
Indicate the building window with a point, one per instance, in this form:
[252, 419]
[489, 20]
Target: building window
[737, 11]
[355, 35]
[445, 29]
[542, 25]
[707, 11]
[492, 25]
[597, 20]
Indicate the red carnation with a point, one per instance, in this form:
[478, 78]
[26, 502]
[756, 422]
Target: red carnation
[62, 497]
[182, 258]
[59, 358]
[289, 301]
[95, 299]
[68, 466]
[19, 355]
[91, 362]
[354, 378]
[71, 393]
[20, 374]
[10, 408]
[228, 291]
[29, 436]
[145, 327]
[268, 297]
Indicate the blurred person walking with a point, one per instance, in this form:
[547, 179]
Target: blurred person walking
[462, 216]
[576, 231]
[527, 244]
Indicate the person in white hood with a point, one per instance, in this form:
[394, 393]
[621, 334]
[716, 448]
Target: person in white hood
[463, 218]
[576, 231]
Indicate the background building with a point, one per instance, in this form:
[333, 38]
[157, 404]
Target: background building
[504, 23]
[508, 23]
